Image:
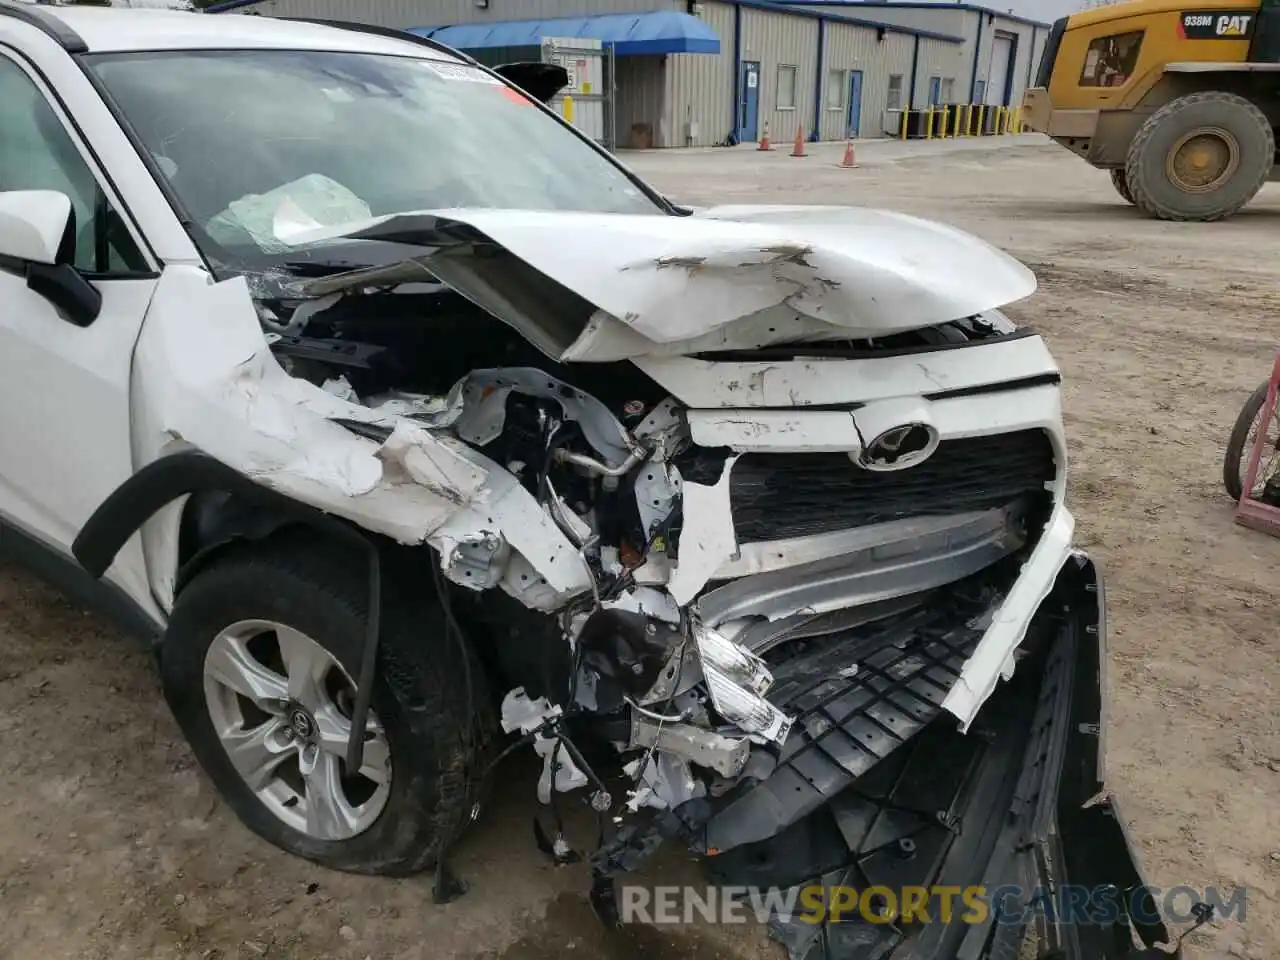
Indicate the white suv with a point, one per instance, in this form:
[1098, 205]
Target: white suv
[394, 410]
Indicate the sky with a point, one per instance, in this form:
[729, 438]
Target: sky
[1047, 10]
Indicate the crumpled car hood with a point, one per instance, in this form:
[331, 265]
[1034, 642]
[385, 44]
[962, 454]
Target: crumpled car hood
[806, 272]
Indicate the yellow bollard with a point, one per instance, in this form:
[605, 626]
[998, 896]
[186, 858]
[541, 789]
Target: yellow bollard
[904, 124]
[982, 116]
[1017, 120]
[568, 108]
[946, 119]
[928, 124]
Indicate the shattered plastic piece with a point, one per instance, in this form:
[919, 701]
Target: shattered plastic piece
[557, 765]
[737, 680]
[521, 713]
[708, 538]
[414, 405]
[665, 782]
[734, 663]
[340, 388]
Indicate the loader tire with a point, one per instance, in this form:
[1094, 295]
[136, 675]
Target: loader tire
[1121, 183]
[1200, 157]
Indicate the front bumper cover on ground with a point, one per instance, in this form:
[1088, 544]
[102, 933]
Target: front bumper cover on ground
[1014, 809]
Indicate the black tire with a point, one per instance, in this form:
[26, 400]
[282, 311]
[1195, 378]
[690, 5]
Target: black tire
[1121, 183]
[437, 733]
[1236, 452]
[1150, 186]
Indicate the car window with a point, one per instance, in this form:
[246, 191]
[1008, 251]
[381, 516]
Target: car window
[258, 143]
[37, 153]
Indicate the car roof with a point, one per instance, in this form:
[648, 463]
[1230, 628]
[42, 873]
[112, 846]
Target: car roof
[114, 30]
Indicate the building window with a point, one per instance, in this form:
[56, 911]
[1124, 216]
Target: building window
[1109, 61]
[895, 91]
[786, 99]
[979, 90]
[948, 89]
[835, 89]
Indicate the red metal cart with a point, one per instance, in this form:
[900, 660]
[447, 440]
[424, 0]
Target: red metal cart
[1258, 491]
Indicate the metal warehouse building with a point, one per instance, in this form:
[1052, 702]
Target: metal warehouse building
[710, 72]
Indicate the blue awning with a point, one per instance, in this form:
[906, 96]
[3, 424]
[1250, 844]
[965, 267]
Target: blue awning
[630, 34]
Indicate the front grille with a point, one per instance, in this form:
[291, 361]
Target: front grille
[778, 496]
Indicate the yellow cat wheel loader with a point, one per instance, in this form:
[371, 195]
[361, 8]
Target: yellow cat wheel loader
[1179, 101]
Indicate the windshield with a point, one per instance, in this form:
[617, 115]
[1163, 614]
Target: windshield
[260, 146]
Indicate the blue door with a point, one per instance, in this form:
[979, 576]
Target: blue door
[935, 90]
[855, 101]
[749, 104]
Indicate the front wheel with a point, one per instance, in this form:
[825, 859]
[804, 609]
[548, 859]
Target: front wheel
[1241, 442]
[1200, 157]
[257, 666]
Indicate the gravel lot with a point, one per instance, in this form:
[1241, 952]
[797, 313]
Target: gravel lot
[113, 847]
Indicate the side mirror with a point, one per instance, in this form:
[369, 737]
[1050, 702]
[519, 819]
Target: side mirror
[36, 226]
[38, 242]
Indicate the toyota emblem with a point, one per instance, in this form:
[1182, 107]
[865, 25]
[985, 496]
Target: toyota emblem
[899, 448]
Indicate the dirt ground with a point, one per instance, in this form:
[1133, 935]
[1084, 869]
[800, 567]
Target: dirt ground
[112, 846]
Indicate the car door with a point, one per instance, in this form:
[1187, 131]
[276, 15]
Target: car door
[64, 389]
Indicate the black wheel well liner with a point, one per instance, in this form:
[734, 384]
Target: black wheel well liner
[206, 479]
[225, 508]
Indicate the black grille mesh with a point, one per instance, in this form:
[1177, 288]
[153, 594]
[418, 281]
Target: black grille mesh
[776, 496]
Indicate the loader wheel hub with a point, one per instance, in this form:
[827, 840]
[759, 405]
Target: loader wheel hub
[1203, 160]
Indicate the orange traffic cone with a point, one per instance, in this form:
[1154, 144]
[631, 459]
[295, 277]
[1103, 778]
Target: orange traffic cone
[848, 162]
[764, 141]
[798, 150]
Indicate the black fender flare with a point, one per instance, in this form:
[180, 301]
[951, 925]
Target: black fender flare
[161, 482]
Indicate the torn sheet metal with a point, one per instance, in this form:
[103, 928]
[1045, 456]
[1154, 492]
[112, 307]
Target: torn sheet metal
[483, 415]
[205, 376]
[707, 539]
[727, 756]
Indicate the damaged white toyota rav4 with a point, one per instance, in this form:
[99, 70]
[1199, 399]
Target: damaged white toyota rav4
[402, 416]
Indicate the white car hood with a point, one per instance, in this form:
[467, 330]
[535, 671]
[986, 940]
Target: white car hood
[740, 276]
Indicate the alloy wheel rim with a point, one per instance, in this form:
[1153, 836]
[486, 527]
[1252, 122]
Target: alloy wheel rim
[280, 705]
